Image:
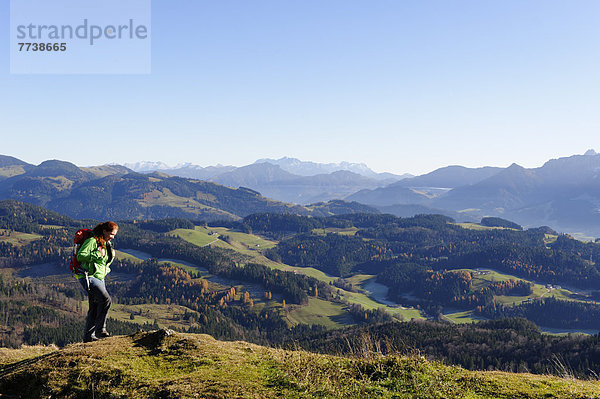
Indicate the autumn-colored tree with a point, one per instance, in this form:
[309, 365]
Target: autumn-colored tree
[246, 297]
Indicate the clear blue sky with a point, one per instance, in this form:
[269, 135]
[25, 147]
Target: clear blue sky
[403, 86]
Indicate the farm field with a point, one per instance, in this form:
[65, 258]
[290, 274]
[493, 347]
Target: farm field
[17, 238]
[465, 316]
[248, 240]
[328, 314]
[247, 244]
[125, 255]
[358, 279]
[482, 277]
[477, 226]
[347, 232]
[200, 237]
[165, 315]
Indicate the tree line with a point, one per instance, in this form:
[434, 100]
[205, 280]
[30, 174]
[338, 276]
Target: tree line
[514, 345]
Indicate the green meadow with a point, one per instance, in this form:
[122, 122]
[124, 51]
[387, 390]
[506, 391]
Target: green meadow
[167, 316]
[165, 197]
[483, 277]
[350, 231]
[318, 311]
[16, 238]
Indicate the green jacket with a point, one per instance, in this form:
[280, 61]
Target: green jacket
[91, 260]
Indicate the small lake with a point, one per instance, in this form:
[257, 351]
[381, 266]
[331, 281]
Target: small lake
[377, 291]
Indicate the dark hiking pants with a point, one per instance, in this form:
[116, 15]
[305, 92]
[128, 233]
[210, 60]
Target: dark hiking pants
[99, 304]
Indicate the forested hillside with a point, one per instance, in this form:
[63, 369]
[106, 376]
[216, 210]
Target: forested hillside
[36, 309]
[217, 281]
[432, 262]
[115, 192]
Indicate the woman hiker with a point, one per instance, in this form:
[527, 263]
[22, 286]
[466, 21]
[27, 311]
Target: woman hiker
[95, 255]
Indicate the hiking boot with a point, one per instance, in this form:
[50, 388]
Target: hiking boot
[90, 338]
[103, 334]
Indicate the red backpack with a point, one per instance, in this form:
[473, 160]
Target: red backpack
[80, 237]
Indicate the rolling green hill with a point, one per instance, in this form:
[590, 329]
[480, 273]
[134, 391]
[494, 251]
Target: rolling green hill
[10, 166]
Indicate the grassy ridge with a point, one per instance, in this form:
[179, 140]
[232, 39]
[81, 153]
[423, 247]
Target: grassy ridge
[168, 365]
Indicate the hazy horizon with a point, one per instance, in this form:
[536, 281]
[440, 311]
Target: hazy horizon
[173, 166]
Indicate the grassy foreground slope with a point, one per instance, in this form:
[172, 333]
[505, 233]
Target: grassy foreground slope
[163, 364]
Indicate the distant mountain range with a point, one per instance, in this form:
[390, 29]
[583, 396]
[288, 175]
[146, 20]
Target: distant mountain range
[116, 192]
[291, 165]
[284, 179]
[304, 168]
[423, 189]
[564, 193]
[182, 170]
